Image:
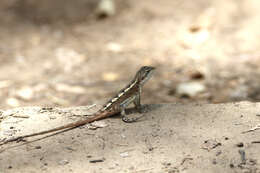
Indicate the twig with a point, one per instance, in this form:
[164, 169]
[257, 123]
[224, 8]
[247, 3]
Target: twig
[253, 129]
[91, 106]
[120, 144]
[20, 116]
[144, 170]
[184, 160]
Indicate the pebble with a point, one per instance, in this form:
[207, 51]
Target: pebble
[125, 154]
[38, 147]
[114, 47]
[240, 144]
[99, 124]
[106, 8]
[190, 88]
[63, 162]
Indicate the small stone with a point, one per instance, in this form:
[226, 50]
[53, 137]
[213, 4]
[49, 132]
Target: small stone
[70, 149]
[106, 8]
[123, 136]
[252, 161]
[63, 162]
[197, 75]
[218, 153]
[190, 89]
[110, 76]
[114, 47]
[52, 117]
[240, 144]
[90, 127]
[166, 164]
[99, 124]
[125, 154]
[210, 144]
[38, 147]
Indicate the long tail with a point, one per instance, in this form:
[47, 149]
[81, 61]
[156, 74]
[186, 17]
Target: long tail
[70, 126]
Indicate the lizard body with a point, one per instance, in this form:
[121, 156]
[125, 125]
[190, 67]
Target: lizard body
[130, 94]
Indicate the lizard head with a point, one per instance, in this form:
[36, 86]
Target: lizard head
[144, 74]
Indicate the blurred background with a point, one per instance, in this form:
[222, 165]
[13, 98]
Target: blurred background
[80, 52]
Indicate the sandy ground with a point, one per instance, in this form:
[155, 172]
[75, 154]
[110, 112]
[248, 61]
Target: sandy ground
[170, 138]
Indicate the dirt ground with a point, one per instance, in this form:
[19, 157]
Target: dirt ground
[169, 138]
[58, 53]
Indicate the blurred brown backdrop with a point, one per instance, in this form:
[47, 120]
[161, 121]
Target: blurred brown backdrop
[61, 53]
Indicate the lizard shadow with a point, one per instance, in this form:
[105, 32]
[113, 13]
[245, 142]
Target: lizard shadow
[145, 109]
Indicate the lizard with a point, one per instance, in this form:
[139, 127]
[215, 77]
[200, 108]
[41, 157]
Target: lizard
[117, 104]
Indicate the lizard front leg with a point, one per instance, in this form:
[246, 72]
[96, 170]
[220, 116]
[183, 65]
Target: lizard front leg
[122, 108]
[136, 100]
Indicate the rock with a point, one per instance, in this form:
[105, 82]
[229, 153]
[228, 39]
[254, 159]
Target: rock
[190, 89]
[240, 144]
[99, 124]
[110, 76]
[125, 154]
[63, 162]
[106, 8]
[114, 47]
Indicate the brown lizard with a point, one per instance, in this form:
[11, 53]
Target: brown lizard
[130, 94]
